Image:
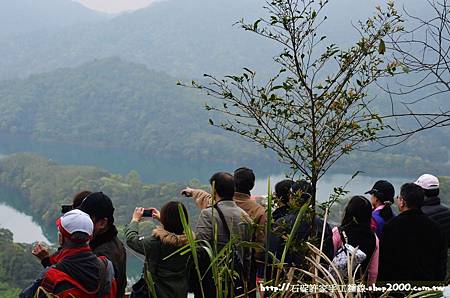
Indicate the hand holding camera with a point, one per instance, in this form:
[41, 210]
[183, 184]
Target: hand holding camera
[40, 251]
[141, 212]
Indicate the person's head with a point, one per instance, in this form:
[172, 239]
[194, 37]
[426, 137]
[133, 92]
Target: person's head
[244, 180]
[382, 192]
[171, 219]
[224, 185]
[358, 211]
[101, 210]
[283, 190]
[300, 191]
[429, 184]
[79, 197]
[75, 228]
[411, 197]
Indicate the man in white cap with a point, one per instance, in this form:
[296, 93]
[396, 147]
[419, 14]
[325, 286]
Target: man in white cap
[432, 206]
[76, 270]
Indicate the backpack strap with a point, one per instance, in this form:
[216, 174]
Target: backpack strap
[103, 277]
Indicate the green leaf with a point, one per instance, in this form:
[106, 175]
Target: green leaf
[381, 47]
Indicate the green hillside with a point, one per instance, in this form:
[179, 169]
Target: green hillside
[118, 104]
[18, 267]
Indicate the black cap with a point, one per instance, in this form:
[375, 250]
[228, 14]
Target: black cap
[383, 190]
[98, 205]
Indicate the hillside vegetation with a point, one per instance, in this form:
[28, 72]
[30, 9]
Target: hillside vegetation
[18, 267]
[114, 103]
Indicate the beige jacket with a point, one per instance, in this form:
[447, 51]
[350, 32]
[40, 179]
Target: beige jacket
[256, 212]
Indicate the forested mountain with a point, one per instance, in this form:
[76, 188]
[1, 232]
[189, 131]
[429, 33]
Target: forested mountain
[28, 16]
[118, 104]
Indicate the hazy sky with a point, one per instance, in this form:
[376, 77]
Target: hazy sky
[114, 5]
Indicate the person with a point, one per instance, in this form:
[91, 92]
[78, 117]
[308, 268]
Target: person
[244, 181]
[105, 242]
[282, 195]
[79, 197]
[40, 251]
[432, 206]
[167, 268]
[382, 198]
[230, 221]
[309, 229]
[356, 224]
[77, 271]
[413, 248]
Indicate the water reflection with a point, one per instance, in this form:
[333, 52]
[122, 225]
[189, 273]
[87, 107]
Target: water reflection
[358, 186]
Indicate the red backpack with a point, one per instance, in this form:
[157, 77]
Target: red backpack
[54, 277]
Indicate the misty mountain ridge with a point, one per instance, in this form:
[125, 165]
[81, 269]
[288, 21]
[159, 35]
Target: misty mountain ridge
[28, 16]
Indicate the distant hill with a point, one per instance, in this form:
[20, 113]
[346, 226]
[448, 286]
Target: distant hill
[114, 103]
[184, 38]
[25, 16]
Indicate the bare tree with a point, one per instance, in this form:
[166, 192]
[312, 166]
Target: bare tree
[421, 54]
[316, 108]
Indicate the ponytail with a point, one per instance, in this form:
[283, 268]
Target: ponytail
[386, 213]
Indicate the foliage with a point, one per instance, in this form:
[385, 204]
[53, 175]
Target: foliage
[316, 108]
[18, 267]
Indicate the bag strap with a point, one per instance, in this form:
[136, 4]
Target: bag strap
[344, 238]
[224, 222]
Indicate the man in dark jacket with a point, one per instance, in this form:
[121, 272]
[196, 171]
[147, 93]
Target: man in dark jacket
[413, 248]
[105, 241]
[76, 270]
[432, 206]
[310, 229]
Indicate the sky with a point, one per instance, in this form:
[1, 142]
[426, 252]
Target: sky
[114, 6]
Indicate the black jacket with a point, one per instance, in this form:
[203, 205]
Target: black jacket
[107, 244]
[413, 248]
[283, 227]
[439, 213]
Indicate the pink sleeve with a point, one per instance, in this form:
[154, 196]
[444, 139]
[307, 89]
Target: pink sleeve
[336, 240]
[372, 270]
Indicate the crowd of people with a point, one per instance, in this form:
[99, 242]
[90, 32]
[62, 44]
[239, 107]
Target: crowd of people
[409, 247]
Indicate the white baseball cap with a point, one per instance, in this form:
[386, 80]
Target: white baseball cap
[427, 181]
[75, 221]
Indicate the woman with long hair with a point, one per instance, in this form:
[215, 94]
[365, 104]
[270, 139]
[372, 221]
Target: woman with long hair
[169, 275]
[355, 226]
[382, 198]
